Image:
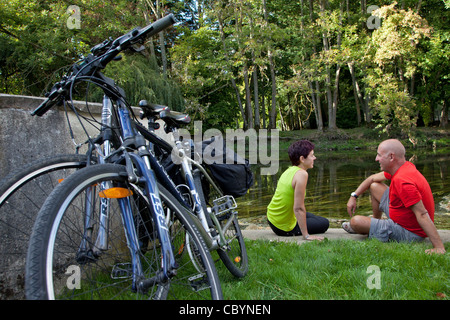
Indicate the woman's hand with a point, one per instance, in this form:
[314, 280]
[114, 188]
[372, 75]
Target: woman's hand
[311, 238]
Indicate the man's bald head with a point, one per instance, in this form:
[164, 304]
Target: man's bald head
[391, 155]
[393, 146]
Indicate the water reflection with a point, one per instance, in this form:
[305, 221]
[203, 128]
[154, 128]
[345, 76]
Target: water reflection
[336, 175]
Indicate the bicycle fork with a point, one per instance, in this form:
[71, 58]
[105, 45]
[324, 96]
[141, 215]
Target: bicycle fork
[146, 177]
[86, 250]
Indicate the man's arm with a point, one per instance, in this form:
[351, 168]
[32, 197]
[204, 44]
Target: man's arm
[363, 187]
[423, 218]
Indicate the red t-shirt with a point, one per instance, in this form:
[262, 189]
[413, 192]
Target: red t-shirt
[409, 186]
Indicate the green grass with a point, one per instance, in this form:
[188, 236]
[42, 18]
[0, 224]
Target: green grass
[338, 270]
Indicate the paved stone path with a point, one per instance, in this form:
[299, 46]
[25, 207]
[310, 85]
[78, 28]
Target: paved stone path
[331, 234]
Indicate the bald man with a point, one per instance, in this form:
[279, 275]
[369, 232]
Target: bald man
[408, 202]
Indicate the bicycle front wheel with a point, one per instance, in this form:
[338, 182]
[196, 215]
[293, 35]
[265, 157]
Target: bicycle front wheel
[74, 253]
[22, 194]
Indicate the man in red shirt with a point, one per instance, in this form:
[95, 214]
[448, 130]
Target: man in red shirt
[408, 202]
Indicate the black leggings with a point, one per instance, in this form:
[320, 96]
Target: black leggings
[314, 223]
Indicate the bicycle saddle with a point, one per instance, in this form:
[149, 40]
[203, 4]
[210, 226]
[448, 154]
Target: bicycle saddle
[174, 119]
[150, 109]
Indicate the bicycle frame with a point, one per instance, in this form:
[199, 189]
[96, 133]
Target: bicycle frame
[187, 163]
[145, 175]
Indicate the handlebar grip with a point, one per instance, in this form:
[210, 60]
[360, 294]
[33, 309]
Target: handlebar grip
[44, 107]
[158, 26]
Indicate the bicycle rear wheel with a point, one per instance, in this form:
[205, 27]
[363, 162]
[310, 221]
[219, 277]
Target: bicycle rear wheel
[22, 194]
[57, 268]
[234, 253]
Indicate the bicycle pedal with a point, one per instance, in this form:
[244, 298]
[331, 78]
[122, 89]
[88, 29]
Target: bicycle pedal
[122, 271]
[223, 205]
[199, 282]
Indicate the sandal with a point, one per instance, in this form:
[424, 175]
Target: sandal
[346, 226]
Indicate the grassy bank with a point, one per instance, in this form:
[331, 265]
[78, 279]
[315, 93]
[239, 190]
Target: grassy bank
[339, 270]
[365, 139]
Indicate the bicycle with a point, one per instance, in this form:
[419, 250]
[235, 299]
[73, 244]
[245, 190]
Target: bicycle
[27, 185]
[215, 212]
[22, 194]
[155, 267]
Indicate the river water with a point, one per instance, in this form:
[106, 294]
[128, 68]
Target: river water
[336, 174]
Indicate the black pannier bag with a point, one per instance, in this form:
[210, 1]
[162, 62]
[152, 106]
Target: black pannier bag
[230, 171]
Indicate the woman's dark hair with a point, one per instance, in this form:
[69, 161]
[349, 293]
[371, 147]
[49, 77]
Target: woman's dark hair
[299, 148]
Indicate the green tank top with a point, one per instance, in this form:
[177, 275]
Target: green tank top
[280, 211]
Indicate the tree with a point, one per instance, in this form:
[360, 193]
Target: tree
[396, 54]
[41, 46]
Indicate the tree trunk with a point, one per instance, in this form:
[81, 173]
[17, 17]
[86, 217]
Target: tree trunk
[158, 14]
[162, 43]
[356, 92]
[316, 93]
[332, 120]
[257, 120]
[248, 99]
[263, 108]
[256, 98]
[233, 81]
[326, 47]
[444, 115]
[273, 109]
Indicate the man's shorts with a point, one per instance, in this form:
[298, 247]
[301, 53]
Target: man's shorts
[384, 202]
[385, 230]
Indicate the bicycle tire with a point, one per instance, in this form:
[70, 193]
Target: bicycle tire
[234, 255]
[46, 268]
[22, 194]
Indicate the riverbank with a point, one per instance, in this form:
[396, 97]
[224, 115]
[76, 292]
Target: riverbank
[364, 138]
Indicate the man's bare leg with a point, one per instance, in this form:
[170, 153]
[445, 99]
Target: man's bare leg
[361, 224]
[376, 193]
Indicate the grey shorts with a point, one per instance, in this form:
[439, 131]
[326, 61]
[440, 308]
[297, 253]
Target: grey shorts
[384, 202]
[385, 230]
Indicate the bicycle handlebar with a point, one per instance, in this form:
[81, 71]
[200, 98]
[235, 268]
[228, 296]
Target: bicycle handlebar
[106, 52]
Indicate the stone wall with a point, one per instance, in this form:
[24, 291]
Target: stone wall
[24, 138]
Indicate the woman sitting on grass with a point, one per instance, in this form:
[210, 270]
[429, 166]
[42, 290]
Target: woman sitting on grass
[286, 212]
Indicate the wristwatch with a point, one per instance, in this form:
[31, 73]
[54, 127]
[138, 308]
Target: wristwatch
[353, 194]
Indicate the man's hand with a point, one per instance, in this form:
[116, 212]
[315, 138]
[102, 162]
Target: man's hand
[351, 206]
[423, 218]
[435, 251]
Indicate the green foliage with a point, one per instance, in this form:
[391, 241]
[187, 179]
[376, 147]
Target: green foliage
[139, 76]
[401, 70]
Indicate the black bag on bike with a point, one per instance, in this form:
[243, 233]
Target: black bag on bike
[231, 172]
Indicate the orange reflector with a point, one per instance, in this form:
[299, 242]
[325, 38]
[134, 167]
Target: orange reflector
[60, 180]
[115, 193]
[237, 259]
[180, 251]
